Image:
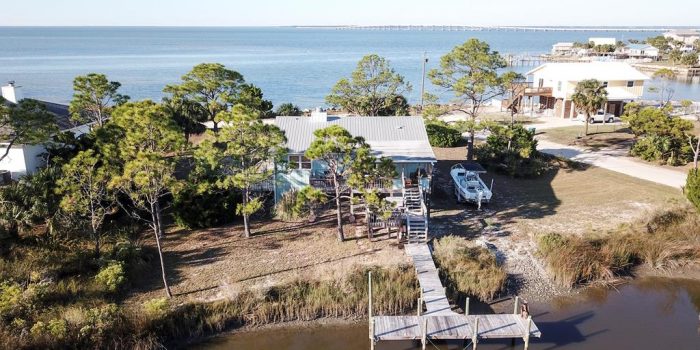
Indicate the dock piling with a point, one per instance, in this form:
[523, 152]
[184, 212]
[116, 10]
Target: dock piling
[515, 306]
[466, 307]
[527, 334]
[420, 306]
[475, 336]
[424, 338]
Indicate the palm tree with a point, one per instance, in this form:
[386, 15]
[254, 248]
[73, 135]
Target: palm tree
[590, 96]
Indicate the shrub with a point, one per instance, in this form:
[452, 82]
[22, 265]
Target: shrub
[471, 270]
[692, 188]
[442, 135]
[196, 209]
[294, 205]
[661, 137]
[157, 307]
[111, 277]
[512, 150]
[10, 298]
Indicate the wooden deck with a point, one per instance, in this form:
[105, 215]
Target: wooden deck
[439, 322]
[455, 326]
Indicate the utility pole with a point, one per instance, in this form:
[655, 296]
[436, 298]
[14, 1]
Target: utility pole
[422, 86]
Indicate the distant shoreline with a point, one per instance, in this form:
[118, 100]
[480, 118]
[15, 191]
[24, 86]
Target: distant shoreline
[410, 27]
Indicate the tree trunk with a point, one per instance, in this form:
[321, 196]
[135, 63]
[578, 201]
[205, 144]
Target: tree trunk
[470, 146]
[96, 236]
[338, 213]
[158, 231]
[246, 225]
[585, 122]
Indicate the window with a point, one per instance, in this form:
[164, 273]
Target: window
[630, 83]
[298, 162]
[605, 84]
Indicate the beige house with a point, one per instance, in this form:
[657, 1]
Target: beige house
[554, 83]
[687, 36]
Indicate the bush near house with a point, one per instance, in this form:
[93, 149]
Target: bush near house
[692, 188]
[660, 137]
[511, 150]
[441, 134]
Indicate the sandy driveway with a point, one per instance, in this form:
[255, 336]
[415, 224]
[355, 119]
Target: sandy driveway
[615, 160]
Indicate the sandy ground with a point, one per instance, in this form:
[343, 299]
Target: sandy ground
[219, 263]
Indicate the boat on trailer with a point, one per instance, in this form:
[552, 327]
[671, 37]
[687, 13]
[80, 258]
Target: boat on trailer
[468, 185]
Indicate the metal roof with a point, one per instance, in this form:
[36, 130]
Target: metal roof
[403, 139]
[603, 71]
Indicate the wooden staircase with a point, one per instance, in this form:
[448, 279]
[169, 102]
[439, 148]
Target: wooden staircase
[416, 215]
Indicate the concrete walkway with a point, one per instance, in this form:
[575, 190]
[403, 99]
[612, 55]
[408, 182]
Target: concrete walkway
[615, 160]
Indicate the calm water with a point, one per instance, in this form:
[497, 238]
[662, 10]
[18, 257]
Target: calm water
[647, 314]
[289, 64]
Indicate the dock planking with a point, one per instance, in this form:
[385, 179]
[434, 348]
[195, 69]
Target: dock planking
[439, 321]
[457, 326]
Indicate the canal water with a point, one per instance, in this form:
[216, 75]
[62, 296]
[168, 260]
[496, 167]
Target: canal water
[649, 313]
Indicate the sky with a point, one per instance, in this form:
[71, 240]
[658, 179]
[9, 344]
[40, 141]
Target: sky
[349, 12]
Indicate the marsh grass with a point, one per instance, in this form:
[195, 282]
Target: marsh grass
[98, 324]
[667, 239]
[469, 269]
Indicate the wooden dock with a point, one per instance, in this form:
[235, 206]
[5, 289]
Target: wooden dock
[432, 291]
[439, 322]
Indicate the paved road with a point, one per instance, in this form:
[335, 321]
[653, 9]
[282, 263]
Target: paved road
[614, 160]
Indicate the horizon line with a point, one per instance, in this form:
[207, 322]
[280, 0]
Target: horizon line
[358, 26]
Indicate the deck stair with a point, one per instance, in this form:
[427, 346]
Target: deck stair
[416, 215]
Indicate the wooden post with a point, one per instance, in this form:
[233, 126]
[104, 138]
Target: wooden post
[515, 306]
[475, 336]
[527, 332]
[466, 307]
[371, 335]
[369, 310]
[420, 306]
[424, 336]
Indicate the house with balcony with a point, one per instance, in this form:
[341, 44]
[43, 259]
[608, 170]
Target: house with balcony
[402, 139]
[551, 85]
[563, 49]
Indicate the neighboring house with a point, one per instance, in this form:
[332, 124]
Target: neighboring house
[563, 49]
[403, 139]
[554, 83]
[641, 51]
[687, 36]
[602, 41]
[26, 159]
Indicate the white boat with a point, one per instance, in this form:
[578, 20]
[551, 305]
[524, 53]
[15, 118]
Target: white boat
[469, 187]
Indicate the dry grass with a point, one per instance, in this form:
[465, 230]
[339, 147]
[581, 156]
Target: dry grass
[667, 239]
[469, 269]
[600, 136]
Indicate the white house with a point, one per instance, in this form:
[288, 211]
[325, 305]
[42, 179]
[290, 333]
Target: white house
[554, 83]
[602, 41]
[687, 36]
[641, 51]
[26, 159]
[563, 49]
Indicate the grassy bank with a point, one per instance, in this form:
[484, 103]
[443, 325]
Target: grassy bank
[103, 323]
[665, 240]
[469, 270]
